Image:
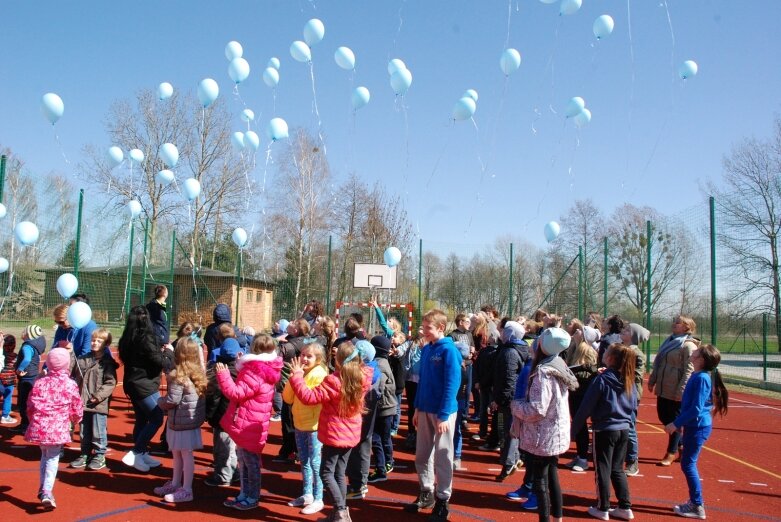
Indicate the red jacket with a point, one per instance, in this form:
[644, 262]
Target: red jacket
[247, 418]
[333, 429]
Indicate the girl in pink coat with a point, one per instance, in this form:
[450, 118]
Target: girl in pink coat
[54, 403]
[247, 418]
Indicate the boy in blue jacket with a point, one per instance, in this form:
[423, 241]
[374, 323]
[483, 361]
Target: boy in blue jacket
[435, 416]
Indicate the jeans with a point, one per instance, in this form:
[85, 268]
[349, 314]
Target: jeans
[667, 410]
[397, 417]
[224, 453]
[693, 440]
[632, 447]
[309, 450]
[382, 444]
[609, 456]
[332, 469]
[25, 387]
[50, 459]
[546, 487]
[360, 458]
[249, 468]
[8, 395]
[411, 388]
[149, 418]
[93, 433]
[509, 455]
[465, 408]
[458, 438]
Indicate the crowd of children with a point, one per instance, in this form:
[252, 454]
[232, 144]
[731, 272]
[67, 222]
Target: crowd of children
[532, 383]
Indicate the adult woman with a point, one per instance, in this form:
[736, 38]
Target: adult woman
[671, 371]
[157, 314]
[144, 361]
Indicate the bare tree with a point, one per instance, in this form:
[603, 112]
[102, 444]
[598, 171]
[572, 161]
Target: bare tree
[749, 216]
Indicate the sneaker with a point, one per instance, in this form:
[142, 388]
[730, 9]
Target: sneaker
[180, 495]
[410, 442]
[440, 511]
[531, 503]
[80, 462]
[214, 483]
[476, 436]
[246, 504]
[457, 465]
[315, 507]
[230, 502]
[357, 494]
[276, 417]
[489, 447]
[377, 476]
[97, 462]
[303, 500]
[47, 499]
[150, 461]
[7, 420]
[165, 489]
[135, 461]
[506, 472]
[518, 465]
[519, 495]
[623, 514]
[632, 469]
[690, 510]
[580, 465]
[598, 513]
[425, 500]
[388, 467]
[394, 433]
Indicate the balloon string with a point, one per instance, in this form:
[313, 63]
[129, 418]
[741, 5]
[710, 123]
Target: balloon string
[479, 155]
[509, 17]
[59, 145]
[401, 22]
[314, 107]
[441, 155]
[631, 86]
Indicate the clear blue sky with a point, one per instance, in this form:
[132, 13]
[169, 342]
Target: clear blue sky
[651, 140]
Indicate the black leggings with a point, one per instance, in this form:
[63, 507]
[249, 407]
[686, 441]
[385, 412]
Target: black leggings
[546, 486]
[333, 464]
[667, 410]
[609, 456]
[411, 388]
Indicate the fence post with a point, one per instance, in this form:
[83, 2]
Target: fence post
[144, 261]
[128, 289]
[238, 286]
[764, 347]
[580, 282]
[510, 300]
[173, 286]
[328, 277]
[78, 235]
[604, 283]
[713, 317]
[648, 286]
[420, 281]
[3, 159]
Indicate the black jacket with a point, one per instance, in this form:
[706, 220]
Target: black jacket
[220, 315]
[509, 362]
[484, 367]
[159, 318]
[216, 402]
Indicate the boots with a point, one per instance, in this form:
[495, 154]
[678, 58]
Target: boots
[667, 460]
[440, 512]
[425, 500]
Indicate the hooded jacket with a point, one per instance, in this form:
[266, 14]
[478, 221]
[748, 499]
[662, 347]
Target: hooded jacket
[333, 429]
[509, 361]
[54, 404]
[35, 347]
[305, 417]
[607, 403]
[185, 409]
[221, 314]
[440, 377]
[216, 402]
[387, 404]
[545, 428]
[143, 368]
[97, 378]
[247, 418]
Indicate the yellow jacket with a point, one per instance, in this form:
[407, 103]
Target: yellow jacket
[305, 417]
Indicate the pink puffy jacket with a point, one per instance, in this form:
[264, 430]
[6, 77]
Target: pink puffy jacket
[247, 417]
[333, 429]
[53, 404]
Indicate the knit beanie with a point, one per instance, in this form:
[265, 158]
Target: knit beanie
[553, 341]
[366, 350]
[382, 346]
[58, 359]
[33, 331]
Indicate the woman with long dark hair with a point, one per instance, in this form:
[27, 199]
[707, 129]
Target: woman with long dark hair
[144, 361]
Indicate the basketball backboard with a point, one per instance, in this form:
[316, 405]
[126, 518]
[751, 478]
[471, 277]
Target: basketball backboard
[374, 276]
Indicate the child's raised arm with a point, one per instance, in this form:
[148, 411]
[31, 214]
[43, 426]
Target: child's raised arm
[323, 392]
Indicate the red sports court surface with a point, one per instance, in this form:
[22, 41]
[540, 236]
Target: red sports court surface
[740, 468]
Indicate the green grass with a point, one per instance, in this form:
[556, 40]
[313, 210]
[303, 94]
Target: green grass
[730, 343]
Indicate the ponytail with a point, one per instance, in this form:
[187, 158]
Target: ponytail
[712, 357]
[623, 361]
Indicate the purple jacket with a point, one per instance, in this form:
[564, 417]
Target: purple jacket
[247, 418]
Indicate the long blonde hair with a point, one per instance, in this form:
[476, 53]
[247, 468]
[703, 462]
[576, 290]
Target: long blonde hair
[583, 355]
[351, 375]
[188, 365]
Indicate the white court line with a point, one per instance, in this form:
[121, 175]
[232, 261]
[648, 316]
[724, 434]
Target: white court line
[726, 481]
[757, 404]
[664, 476]
[494, 469]
[578, 472]
[760, 484]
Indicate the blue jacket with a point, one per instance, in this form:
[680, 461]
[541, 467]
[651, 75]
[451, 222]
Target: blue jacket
[697, 402]
[522, 383]
[440, 377]
[607, 403]
[80, 337]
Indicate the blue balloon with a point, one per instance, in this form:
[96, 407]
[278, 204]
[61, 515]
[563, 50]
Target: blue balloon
[314, 30]
[271, 77]
[233, 50]
[395, 65]
[67, 284]
[251, 140]
[26, 232]
[361, 97]
[273, 62]
[79, 314]
[208, 90]
[237, 138]
[136, 155]
[551, 230]
[52, 107]
[4, 264]
[582, 118]
[238, 70]
[277, 129]
[569, 7]
[115, 156]
[192, 187]
[688, 69]
[133, 208]
[464, 109]
[575, 106]
[165, 90]
[239, 237]
[345, 58]
[392, 256]
[169, 154]
[603, 26]
[510, 61]
[164, 177]
[400, 81]
[471, 93]
[300, 52]
[247, 115]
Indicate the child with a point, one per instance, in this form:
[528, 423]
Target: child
[225, 462]
[610, 401]
[339, 425]
[96, 375]
[358, 463]
[545, 422]
[435, 416]
[186, 409]
[705, 390]
[26, 366]
[305, 418]
[632, 335]
[229, 345]
[411, 363]
[458, 439]
[54, 403]
[462, 333]
[382, 442]
[583, 363]
[247, 417]
[8, 376]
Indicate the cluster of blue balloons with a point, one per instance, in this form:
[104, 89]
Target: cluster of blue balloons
[576, 109]
[400, 76]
